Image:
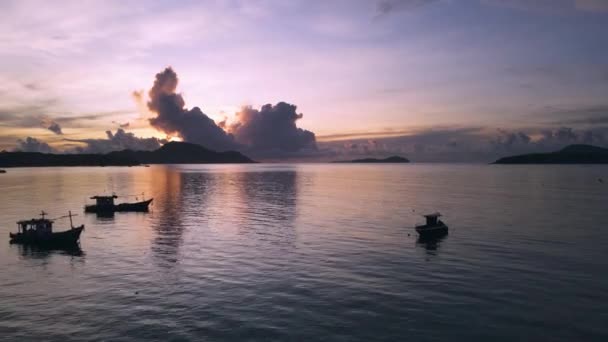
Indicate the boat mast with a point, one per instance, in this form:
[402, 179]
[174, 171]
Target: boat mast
[70, 215]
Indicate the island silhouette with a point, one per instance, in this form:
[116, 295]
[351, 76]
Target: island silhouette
[392, 159]
[170, 153]
[572, 154]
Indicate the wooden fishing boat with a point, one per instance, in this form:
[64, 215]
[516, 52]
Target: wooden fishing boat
[434, 227]
[40, 232]
[105, 204]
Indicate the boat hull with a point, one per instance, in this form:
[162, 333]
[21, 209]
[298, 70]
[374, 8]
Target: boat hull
[122, 207]
[432, 231]
[59, 239]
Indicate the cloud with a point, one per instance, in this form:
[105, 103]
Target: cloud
[506, 140]
[551, 6]
[96, 120]
[17, 118]
[473, 144]
[174, 119]
[30, 117]
[566, 135]
[531, 5]
[25, 116]
[118, 141]
[574, 116]
[30, 144]
[122, 125]
[272, 128]
[55, 128]
[268, 132]
[592, 5]
[365, 134]
[466, 144]
[385, 7]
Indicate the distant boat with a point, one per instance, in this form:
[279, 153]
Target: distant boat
[105, 205]
[433, 227]
[2, 171]
[40, 232]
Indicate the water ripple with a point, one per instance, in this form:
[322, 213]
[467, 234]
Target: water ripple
[309, 252]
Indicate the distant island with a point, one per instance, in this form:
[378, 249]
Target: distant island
[393, 159]
[170, 153]
[573, 154]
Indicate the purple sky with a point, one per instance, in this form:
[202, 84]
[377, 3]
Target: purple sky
[433, 80]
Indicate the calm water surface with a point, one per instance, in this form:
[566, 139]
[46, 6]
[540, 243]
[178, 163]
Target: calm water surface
[312, 252]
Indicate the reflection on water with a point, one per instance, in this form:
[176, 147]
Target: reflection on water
[104, 215]
[430, 244]
[172, 187]
[29, 251]
[309, 252]
[268, 199]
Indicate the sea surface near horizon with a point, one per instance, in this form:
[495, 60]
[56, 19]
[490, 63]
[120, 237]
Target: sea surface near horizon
[305, 252]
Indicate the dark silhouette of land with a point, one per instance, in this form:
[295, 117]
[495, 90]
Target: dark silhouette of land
[393, 159]
[170, 153]
[573, 154]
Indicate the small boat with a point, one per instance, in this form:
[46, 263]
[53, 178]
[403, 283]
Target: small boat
[40, 232]
[434, 227]
[2, 171]
[105, 205]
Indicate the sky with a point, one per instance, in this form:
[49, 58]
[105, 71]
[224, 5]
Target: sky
[431, 80]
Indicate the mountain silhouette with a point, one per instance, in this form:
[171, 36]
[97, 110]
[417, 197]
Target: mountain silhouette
[170, 153]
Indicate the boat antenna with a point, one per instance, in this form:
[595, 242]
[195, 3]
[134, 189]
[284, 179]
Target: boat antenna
[43, 214]
[62, 217]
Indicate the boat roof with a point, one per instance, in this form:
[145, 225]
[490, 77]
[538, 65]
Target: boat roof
[101, 197]
[34, 221]
[435, 214]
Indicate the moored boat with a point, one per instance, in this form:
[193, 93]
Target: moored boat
[434, 227]
[105, 204]
[40, 232]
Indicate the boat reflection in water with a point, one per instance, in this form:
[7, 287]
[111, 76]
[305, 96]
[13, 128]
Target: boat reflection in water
[33, 251]
[430, 244]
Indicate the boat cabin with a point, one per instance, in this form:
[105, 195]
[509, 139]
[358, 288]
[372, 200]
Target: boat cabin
[40, 227]
[104, 201]
[432, 219]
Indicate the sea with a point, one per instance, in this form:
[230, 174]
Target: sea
[311, 252]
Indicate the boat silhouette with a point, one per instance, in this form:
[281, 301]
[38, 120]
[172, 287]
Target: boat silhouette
[105, 205]
[40, 232]
[433, 227]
